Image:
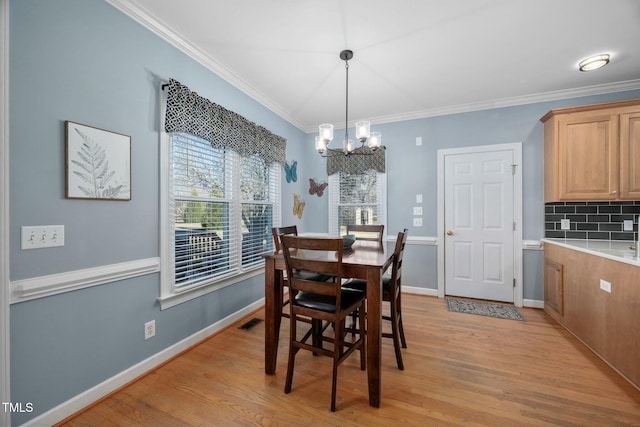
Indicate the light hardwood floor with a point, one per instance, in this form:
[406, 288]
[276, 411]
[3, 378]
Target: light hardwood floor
[460, 369]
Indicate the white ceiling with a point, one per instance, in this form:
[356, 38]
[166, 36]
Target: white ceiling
[412, 58]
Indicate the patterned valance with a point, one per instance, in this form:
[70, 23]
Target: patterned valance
[190, 113]
[357, 164]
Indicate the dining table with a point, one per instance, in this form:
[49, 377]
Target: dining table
[364, 260]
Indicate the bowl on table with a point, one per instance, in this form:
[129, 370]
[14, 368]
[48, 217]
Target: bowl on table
[348, 240]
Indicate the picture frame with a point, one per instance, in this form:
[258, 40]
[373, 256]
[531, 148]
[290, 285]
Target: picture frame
[98, 163]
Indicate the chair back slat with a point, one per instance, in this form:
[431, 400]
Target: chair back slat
[308, 254]
[280, 231]
[398, 255]
[369, 232]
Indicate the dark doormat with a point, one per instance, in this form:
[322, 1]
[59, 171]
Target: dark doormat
[483, 309]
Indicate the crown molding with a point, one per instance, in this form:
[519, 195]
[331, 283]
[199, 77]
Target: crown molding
[511, 102]
[143, 17]
[164, 31]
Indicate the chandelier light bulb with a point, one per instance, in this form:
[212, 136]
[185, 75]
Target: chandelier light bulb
[362, 130]
[326, 132]
[375, 141]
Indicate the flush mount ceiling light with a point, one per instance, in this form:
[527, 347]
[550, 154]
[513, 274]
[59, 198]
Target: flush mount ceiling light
[594, 62]
[372, 139]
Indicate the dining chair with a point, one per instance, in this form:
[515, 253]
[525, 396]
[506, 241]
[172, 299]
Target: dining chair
[392, 293]
[370, 232]
[291, 230]
[322, 301]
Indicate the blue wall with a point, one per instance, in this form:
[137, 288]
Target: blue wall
[82, 60]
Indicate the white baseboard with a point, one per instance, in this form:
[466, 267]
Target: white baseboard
[81, 401]
[531, 303]
[419, 291]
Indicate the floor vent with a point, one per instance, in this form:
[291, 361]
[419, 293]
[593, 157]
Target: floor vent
[251, 323]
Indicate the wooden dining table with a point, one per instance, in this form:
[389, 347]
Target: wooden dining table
[364, 260]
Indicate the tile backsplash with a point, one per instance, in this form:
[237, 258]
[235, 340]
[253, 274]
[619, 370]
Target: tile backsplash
[592, 220]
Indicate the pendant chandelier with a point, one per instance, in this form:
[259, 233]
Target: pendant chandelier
[373, 140]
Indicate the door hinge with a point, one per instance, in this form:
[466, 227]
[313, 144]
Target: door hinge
[514, 282]
[513, 169]
[514, 226]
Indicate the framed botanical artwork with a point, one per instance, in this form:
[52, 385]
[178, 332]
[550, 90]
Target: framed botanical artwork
[98, 163]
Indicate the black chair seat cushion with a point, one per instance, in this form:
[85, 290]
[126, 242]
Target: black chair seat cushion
[361, 285]
[328, 303]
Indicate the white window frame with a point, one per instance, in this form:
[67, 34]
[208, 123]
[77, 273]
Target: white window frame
[334, 191]
[169, 295]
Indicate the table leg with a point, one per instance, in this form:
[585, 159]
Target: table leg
[374, 334]
[272, 314]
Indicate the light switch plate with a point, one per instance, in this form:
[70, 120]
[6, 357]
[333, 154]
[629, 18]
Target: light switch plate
[417, 210]
[41, 236]
[417, 222]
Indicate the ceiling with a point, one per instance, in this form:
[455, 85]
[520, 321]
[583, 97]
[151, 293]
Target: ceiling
[412, 58]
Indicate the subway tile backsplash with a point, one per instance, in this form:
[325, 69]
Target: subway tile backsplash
[592, 220]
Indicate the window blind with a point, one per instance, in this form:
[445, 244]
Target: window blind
[222, 210]
[356, 199]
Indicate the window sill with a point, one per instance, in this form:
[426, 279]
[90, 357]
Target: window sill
[171, 300]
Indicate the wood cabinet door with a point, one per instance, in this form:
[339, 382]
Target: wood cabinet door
[553, 288]
[588, 157]
[630, 156]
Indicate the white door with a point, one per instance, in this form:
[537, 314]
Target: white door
[479, 225]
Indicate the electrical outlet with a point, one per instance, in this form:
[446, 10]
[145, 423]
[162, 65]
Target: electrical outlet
[149, 329]
[417, 222]
[627, 225]
[565, 224]
[605, 286]
[417, 210]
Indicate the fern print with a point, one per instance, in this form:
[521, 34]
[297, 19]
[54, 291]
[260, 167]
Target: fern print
[93, 170]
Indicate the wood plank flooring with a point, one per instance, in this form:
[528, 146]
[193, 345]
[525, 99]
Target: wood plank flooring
[460, 369]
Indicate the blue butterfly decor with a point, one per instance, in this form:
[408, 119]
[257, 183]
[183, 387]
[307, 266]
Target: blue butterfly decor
[290, 170]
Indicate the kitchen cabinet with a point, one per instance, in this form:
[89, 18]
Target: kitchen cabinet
[592, 152]
[553, 288]
[606, 318]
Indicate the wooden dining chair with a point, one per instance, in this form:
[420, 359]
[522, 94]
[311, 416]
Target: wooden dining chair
[322, 301]
[391, 292]
[370, 232]
[291, 230]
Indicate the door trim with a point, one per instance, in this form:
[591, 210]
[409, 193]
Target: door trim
[5, 416]
[516, 147]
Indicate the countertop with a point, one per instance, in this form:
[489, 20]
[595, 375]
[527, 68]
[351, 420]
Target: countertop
[611, 249]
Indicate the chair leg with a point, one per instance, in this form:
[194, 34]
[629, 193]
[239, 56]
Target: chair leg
[337, 353]
[363, 337]
[401, 327]
[395, 326]
[292, 355]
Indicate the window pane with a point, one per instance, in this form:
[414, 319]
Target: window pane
[201, 240]
[358, 188]
[254, 179]
[257, 221]
[198, 169]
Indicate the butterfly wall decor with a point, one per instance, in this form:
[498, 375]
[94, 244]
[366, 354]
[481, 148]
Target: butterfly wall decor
[298, 205]
[315, 188]
[291, 171]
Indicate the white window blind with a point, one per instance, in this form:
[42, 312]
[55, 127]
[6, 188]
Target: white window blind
[221, 209]
[356, 199]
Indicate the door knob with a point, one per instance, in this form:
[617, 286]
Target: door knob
[449, 233]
